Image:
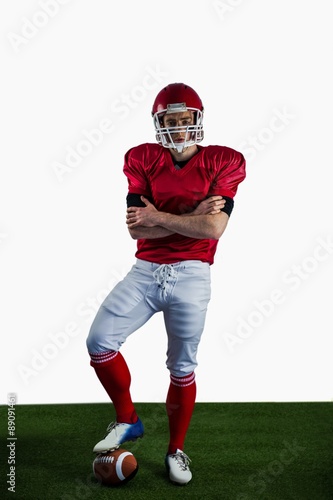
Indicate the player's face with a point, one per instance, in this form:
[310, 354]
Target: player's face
[183, 119]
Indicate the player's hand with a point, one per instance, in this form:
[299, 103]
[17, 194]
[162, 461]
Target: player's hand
[210, 206]
[142, 216]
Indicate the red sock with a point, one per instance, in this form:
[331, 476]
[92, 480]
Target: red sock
[180, 405]
[113, 373]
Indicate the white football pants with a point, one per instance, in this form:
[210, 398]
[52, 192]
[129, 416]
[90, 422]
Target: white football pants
[181, 291]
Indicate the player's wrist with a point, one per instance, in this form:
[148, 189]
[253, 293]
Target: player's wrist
[165, 219]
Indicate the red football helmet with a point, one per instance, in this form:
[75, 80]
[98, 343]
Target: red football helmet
[177, 98]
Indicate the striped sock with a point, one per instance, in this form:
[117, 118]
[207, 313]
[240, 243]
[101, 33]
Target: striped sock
[180, 405]
[114, 375]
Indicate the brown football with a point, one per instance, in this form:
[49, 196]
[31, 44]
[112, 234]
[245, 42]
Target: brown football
[115, 467]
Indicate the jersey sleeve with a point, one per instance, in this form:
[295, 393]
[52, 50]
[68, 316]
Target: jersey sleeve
[135, 173]
[229, 174]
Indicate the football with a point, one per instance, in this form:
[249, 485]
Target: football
[115, 467]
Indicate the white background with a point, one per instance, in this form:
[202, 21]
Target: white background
[63, 239]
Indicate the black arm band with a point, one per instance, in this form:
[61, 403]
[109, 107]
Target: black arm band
[229, 205]
[134, 200]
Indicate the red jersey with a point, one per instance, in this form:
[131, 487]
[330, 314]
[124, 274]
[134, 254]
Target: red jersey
[214, 170]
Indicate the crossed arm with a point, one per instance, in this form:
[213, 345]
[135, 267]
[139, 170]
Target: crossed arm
[206, 221]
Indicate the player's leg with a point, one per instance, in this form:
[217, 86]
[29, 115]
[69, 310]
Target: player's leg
[122, 312]
[184, 320]
[116, 379]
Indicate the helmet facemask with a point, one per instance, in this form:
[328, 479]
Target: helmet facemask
[193, 133]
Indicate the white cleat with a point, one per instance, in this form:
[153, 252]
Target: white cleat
[118, 433]
[177, 465]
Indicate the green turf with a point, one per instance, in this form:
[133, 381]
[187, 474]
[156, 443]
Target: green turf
[244, 451]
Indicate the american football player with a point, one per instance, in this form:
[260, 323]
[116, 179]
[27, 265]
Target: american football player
[179, 201]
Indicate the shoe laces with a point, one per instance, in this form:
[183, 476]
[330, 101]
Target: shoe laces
[183, 461]
[111, 426]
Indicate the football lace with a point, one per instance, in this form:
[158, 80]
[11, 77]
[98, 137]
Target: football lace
[104, 459]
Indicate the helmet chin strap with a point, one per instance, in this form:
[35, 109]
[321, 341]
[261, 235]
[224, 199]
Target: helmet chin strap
[180, 148]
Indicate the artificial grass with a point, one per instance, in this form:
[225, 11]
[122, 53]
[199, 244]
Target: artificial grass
[241, 451]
